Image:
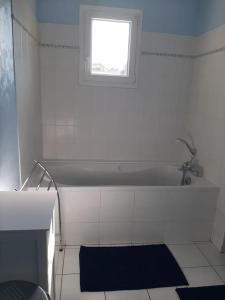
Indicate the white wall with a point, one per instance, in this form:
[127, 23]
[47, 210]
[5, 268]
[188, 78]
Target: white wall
[206, 120]
[99, 123]
[26, 51]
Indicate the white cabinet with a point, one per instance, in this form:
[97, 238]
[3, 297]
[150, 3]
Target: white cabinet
[27, 237]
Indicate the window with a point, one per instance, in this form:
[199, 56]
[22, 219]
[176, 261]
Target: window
[109, 46]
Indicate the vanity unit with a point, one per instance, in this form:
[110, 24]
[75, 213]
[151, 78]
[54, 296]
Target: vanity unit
[27, 237]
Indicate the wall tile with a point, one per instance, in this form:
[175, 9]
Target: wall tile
[116, 123]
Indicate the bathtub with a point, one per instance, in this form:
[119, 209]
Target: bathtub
[69, 173]
[132, 203]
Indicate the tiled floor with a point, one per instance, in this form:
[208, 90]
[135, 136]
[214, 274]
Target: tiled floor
[202, 265]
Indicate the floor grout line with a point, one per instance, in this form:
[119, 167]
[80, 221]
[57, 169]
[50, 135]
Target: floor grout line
[148, 294]
[71, 273]
[195, 267]
[211, 265]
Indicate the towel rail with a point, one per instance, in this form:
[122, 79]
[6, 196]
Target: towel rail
[46, 173]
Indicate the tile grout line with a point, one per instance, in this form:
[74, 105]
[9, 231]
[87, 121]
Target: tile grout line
[212, 266]
[133, 218]
[148, 294]
[105, 296]
[100, 215]
[195, 267]
[60, 294]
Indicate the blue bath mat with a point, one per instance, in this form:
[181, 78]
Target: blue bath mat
[128, 268]
[202, 293]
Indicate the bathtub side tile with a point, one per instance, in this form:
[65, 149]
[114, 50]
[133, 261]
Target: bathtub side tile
[115, 233]
[116, 206]
[82, 206]
[178, 232]
[188, 231]
[151, 206]
[81, 233]
[147, 232]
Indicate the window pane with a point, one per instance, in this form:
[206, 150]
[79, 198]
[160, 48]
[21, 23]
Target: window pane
[110, 47]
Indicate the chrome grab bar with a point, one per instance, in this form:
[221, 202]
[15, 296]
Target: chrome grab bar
[51, 181]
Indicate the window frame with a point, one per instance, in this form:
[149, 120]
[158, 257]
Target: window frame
[87, 13]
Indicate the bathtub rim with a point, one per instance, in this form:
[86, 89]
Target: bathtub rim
[200, 183]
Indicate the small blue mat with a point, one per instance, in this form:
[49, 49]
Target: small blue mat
[202, 293]
[128, 268]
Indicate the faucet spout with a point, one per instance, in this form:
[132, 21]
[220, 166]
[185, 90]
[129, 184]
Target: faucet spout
[192, 165]
[191, 149]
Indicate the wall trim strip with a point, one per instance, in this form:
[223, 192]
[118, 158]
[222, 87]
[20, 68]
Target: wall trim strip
[210, 52]
[59, 46]
[150, 53]
[147, 53]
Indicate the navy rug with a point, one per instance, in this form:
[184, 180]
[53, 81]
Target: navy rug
[202, 293]
[128, 268]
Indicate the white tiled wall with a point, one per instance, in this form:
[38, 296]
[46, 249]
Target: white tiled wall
[100, 123]
[28, 96]
[128, 216]
[207, 117]
[140, 124]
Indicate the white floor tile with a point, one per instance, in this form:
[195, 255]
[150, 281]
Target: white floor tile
[127, 295]
[202, 276]
[71, 290]
[71, 261]
[58, 282]
[190, 258]
[59, 262]
[213, 255]
[221, 271]
[163, 294]
[188, 255]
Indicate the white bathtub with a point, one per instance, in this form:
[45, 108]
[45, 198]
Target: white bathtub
[113, 203]
[70, 173]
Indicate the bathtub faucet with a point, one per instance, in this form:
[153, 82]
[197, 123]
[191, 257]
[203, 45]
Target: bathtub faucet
[191, 165]
[191, 148]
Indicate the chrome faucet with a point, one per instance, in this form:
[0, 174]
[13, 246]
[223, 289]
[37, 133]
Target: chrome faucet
[191, 165]
[191, 148]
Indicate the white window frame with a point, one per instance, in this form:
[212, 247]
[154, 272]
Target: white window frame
[87, 13]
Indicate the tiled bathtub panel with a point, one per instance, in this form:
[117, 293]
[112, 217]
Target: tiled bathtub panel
[115, 233]
[187, 231]
[81, 233]
[82, 206]
[202, 231]
[204, 206]
[148, 232]
[117, 206]
[114, 215]
[178, 232]
[151, 205]
[185, 206]
[174, 205]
